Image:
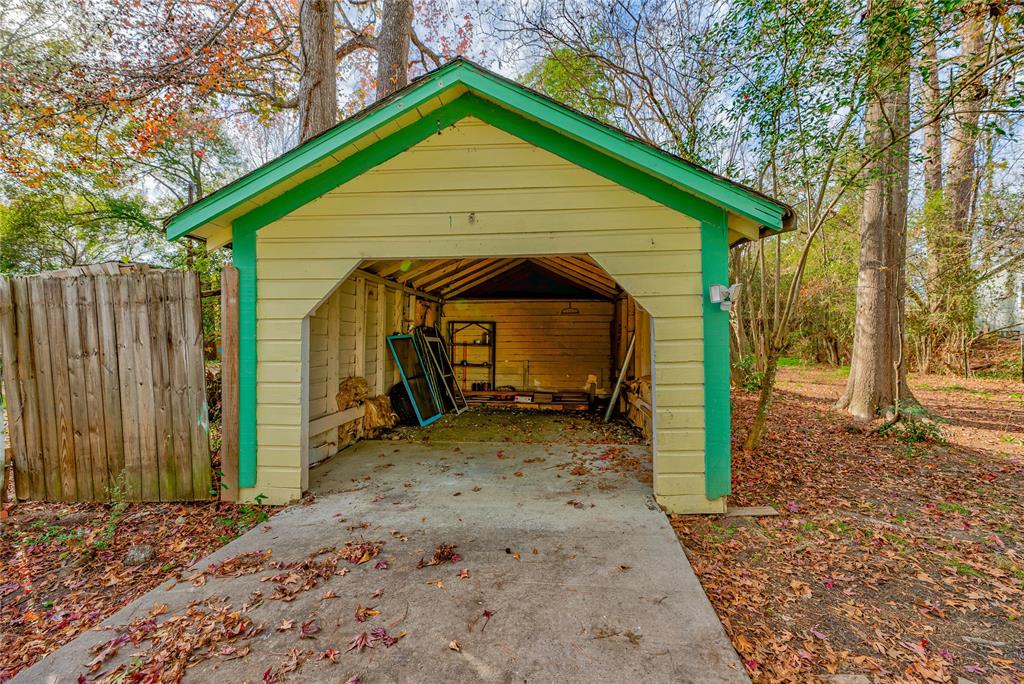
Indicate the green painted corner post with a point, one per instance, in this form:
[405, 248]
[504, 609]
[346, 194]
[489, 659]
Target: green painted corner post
[243, 257]
[714, 261]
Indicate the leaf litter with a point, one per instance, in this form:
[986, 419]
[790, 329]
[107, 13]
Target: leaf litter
[899, 561]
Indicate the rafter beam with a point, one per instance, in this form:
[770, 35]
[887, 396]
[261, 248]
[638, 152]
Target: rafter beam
[494, 270]
[571, 276]
[462, 270]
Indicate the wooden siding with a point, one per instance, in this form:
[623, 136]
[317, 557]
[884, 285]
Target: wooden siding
[347, 334]
[475, 191]
[537, 347]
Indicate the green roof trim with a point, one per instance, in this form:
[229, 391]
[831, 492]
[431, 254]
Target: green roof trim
[684, 176]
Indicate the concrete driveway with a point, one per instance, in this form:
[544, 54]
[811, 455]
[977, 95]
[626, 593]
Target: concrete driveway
[567, 576]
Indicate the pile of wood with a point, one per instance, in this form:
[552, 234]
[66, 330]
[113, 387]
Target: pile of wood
[374, 417]
[636, 400]
[378, 417]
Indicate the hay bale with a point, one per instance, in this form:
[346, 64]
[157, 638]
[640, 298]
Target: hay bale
[351, 392]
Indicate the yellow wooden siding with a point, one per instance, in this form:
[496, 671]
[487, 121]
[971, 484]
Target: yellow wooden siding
[475, 191]
[538, 347]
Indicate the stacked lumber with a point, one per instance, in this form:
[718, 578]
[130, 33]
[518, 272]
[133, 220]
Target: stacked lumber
[637, 400]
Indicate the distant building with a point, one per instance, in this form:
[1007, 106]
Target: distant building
[1000, 302]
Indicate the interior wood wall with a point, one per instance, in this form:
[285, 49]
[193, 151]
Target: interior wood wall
[538, 347]
[347, 338]
[631, 318]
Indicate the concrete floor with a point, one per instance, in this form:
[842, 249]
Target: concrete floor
[594, 590]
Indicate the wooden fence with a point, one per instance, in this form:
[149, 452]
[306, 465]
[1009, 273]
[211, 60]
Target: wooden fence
[105, 385]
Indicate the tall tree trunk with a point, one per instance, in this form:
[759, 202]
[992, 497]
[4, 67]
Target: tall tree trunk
[878, 365]
[393, 39]
[318, 84]
[956, 267]
[931, 149]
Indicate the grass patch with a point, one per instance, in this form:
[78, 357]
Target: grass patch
[948, 507]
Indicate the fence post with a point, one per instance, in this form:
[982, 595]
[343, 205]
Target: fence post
[8, 372]
[229, 383]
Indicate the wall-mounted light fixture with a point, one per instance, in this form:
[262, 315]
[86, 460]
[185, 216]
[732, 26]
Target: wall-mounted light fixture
[724, 295]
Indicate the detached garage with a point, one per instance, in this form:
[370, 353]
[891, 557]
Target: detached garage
[538, 241]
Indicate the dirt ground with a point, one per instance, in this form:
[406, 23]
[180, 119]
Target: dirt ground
[894, 559]
[524, 426]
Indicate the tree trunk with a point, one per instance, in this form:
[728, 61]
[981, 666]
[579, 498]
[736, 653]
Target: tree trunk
[955, 261]
[931, 150]
[318, 84]
[878, 365]
[763, 400]
[393, 39]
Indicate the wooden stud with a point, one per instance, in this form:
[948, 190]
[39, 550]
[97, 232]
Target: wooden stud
[396, 327]
[382, 332]
[229, 383]
[360, 327]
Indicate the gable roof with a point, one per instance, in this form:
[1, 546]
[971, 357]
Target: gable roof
[751, 213]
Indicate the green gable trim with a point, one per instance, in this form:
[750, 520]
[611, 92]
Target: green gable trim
[659, 164]
[679, 175]
[312, 152]
[714, 267]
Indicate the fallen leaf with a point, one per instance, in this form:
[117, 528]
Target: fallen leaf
[359, 642]
[455, 645]
[364, 614]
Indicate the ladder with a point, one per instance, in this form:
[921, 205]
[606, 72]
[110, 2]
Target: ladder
[431, 341]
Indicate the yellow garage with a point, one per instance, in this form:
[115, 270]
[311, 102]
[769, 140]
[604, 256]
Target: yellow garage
[542, 244]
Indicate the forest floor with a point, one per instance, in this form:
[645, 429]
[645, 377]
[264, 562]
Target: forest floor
[894, 559]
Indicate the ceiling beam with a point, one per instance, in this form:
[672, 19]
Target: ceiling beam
[578, 267]
[495, 269]
[573, 277]
[450, 274]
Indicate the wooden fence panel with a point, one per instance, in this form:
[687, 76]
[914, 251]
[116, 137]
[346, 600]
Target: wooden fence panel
[195, 371]
[106, 334]
[85, 300]
[104, 375]
[125, 319]
[26, 378]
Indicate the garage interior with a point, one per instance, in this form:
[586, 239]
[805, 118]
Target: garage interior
[543, 333]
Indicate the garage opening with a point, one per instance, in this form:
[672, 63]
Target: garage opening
[537, 334]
